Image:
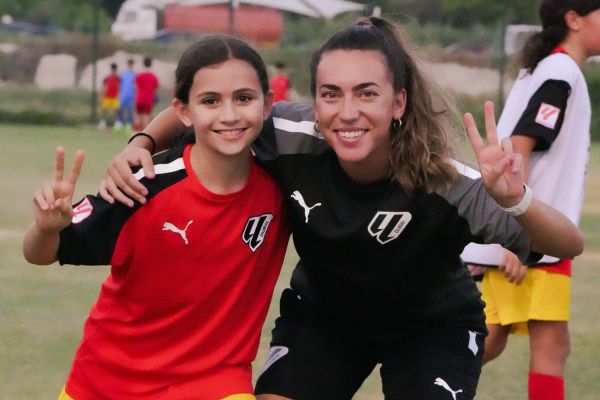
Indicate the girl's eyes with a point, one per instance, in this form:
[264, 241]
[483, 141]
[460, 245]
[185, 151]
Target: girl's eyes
[244, 98]
[209, 101]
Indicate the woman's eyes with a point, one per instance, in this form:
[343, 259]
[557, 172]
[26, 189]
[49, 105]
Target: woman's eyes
[328, 95]
[364, 94]
[368, 93]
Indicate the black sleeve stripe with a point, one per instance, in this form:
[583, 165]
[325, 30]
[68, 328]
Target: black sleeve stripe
[92, 240]
[538, 120]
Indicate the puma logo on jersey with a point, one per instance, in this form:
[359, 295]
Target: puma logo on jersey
[167, 226]
[255, 230]
[442, 383]
[298, 197]
[388, 225]
[547, 115]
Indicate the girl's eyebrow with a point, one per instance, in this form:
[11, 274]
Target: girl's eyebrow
[245, 90]
[212, 93]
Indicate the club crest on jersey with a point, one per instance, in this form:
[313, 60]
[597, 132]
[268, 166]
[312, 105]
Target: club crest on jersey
[388, 225]
[547, 115]
[82, 211]
[255, 230]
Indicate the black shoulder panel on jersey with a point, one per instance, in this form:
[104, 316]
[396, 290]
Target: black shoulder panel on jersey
[265, 145]
[289, 130]
[92, 240]
[538, 120]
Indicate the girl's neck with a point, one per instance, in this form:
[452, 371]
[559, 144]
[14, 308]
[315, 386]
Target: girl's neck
[576, 51]
[218, 173]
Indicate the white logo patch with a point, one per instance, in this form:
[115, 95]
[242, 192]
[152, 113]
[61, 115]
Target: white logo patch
[82, 211]
[388, 225]
[167, 226]
[442, 383]
[298, 197]
[547, 115]
[472, 343]
[255, 230]
[275, 353]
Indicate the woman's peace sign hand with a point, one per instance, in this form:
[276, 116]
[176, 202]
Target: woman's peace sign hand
[501, 169]
[52, 203]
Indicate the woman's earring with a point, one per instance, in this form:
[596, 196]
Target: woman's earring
[396, 123]
[317, 128]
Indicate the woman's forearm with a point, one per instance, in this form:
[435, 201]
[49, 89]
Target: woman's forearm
[550, 231]
[162, 128]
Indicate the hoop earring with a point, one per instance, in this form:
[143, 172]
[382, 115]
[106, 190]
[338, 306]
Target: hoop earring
[396, 124]
[316, 127]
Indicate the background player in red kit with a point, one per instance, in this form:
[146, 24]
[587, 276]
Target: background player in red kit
[110, 98]
[146, 84]
[193, 270]
[280, 83]
[547, 118]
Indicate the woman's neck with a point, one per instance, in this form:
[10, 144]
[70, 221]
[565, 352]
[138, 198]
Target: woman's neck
[366, 172]
[220, 174]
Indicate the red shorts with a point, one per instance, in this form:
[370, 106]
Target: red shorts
[144, 108]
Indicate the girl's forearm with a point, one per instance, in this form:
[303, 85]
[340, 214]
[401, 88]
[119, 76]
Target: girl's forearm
[40, 247]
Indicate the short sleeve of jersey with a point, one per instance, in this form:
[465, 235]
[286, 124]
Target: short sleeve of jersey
[544, 114]
[91, 237]
[487, 222]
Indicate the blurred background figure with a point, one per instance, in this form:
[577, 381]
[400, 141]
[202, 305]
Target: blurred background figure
[547, 117]
[146, 84]
[126, 98]
[110, 99]
[280, 83]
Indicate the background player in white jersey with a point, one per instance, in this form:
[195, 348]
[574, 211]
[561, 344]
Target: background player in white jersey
[367, 206]
[547, 117]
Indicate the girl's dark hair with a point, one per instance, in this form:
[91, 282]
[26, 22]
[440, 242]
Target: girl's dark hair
[422, 147]
[213, 50]
[554, 29]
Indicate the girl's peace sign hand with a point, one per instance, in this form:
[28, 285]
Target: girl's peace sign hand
[501, 169]
[52, 203]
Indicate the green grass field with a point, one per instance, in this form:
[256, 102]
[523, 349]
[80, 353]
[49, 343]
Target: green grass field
[43, 309]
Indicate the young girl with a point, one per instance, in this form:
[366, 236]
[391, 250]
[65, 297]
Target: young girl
[192, 273]
[547, 117]
[380, 214]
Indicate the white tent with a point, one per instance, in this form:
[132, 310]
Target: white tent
[312, 8]
[137, 18]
